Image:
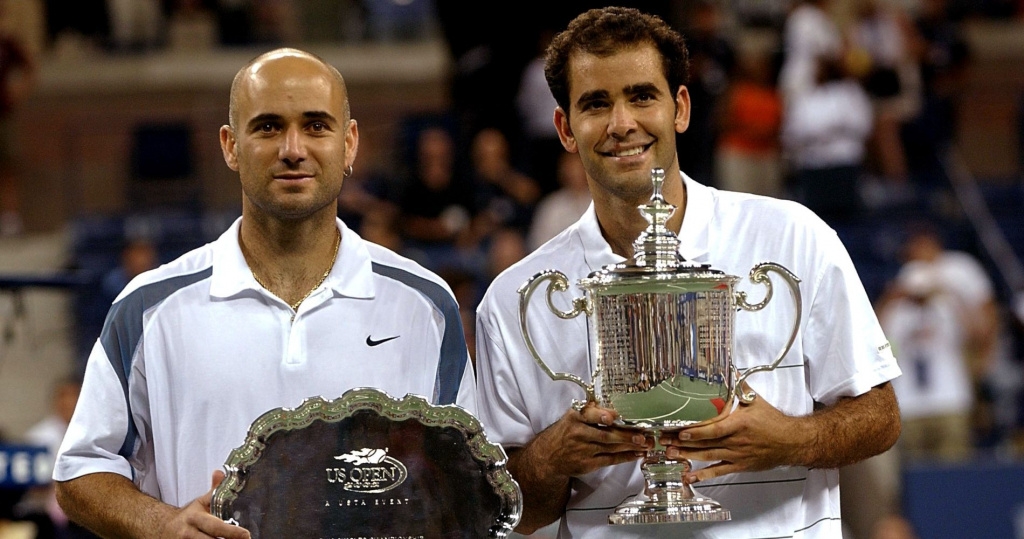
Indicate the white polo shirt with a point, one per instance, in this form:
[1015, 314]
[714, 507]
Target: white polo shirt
[840, 351]
[195, 350]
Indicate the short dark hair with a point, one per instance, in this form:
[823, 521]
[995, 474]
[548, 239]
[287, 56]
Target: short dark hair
[605, 31]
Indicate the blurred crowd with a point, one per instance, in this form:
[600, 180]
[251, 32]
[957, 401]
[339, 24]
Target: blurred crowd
[139, 26]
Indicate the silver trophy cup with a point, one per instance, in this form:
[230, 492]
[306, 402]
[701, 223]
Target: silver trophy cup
[661, 334]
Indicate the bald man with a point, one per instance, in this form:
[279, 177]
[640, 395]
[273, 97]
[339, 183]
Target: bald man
[287, 304]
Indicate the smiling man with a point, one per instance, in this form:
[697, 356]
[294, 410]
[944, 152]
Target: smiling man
[289, 303]
[618, 77]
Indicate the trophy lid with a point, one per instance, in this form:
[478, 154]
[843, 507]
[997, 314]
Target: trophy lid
[656, 249]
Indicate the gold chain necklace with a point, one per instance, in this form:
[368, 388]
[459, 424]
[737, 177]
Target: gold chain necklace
[295, 306]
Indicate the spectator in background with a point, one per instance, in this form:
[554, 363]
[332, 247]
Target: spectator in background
[72, 26]
[751, 121]
[436, 207]
[712, 61]
[191, 26]
[927, 313]
[40, 504]
[961, 274]
[808, 35]
[9, 498]
[17, 75]
[49, 431]
[505, 196]
[135, 25]
[556, 211]
[926, 325]
[536, 106]
[137, 256]
[824, 134]
[506, 248]
[943, 55]
[890, 76]
[368, 203]
[275, 21]
[234, 21]
[404, 20]
[995, 377]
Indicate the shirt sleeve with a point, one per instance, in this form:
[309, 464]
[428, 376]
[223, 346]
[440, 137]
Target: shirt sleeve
[97, 439]
[502, 407]
[844, 342]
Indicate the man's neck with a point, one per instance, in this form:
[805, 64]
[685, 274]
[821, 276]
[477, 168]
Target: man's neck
[621, 222]
[288, 258]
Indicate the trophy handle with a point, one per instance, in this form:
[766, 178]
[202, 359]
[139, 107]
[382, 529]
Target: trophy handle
[558, 282]
[759, 275]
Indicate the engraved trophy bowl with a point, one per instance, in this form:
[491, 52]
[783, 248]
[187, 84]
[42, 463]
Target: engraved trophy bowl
[661, 341]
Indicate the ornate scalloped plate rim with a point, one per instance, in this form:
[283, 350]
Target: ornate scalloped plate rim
[358, 399]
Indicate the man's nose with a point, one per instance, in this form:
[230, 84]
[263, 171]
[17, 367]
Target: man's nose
[293, 148]
[621, 122]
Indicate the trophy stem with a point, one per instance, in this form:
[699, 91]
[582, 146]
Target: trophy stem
[669, 497]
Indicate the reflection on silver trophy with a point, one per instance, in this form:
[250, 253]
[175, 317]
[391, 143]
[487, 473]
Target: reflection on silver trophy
[661, 334]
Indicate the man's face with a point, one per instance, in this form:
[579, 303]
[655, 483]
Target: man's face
[291, 141]
[623, 120]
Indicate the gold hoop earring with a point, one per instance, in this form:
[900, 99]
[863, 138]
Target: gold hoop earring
[348, 171]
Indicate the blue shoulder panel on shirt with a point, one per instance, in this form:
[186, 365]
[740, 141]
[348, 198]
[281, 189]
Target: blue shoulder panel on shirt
[452, 363]
[122, 332]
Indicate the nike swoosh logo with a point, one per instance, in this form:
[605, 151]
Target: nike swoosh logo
[371, 342]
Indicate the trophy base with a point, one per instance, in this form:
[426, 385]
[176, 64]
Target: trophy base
[668, 497]
[662, 511]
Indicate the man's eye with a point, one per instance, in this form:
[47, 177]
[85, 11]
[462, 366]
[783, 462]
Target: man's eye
[318, 126]
[642, 98]
[591, 105]
[267, 128]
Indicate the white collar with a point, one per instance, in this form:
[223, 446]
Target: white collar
[351, 276]
[693, 236]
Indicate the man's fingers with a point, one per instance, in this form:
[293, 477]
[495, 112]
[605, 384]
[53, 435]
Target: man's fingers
[611, 459]
[708, 431]
[595, 415]
[215, 527]
[715, 470]
[206, 499]
[221, 529]
[211, 525]
[592, 425]
[611, 440]
[709, 454]
[218, 476]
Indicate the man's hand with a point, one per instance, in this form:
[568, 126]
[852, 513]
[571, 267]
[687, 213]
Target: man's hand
[111, 505]
[576, 444]
[757, 436]
[195, 519]
[753, 437]
[581, 442]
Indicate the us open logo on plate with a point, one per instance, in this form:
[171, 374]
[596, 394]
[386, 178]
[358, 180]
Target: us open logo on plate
[369, 471]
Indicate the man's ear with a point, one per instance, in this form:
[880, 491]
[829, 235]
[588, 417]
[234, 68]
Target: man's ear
[351, 142]
[682, 109]
[565, 135]
[227, 147]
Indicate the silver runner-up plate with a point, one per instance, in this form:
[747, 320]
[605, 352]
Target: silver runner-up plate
[368, 466]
